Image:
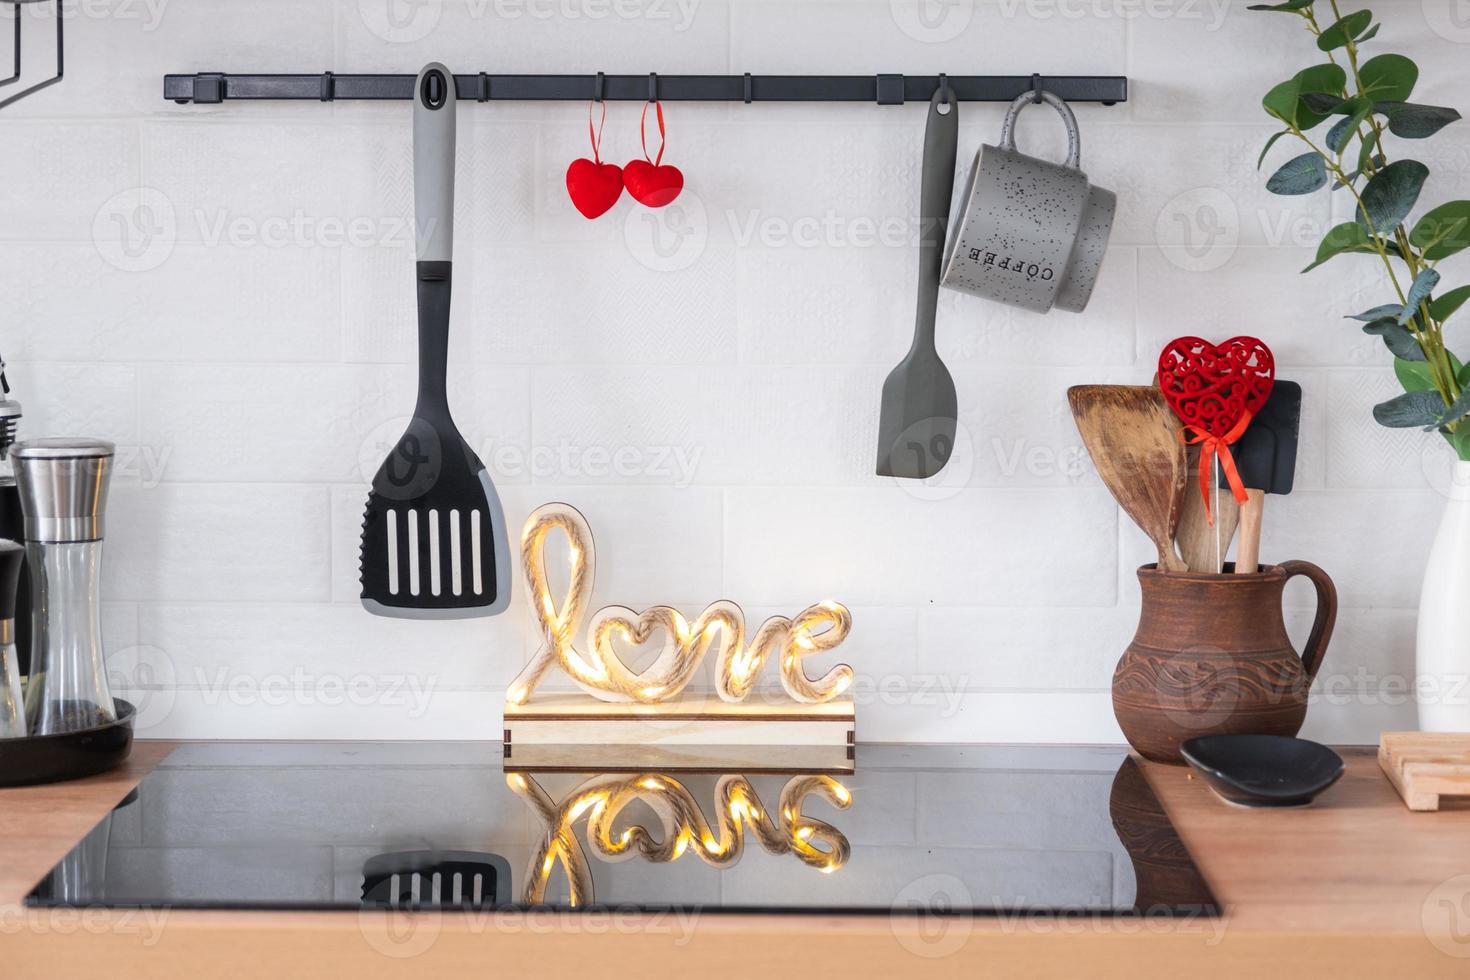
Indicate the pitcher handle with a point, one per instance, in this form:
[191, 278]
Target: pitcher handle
[1326, 613]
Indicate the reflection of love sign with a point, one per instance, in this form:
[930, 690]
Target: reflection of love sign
[602, 673]
[683, 827]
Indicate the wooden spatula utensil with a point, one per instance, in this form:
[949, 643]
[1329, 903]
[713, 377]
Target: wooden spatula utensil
[1133, 439]
[1204, 547]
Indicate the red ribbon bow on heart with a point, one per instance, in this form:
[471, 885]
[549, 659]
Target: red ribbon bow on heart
[1216, 390]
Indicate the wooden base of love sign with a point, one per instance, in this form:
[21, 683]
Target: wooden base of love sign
[654, 706]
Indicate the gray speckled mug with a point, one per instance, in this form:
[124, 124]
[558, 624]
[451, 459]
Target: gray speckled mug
[1030, 233]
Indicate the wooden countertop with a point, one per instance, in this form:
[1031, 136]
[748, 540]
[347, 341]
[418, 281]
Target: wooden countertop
[1354, 886]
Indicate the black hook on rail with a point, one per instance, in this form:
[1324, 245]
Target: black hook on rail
[1035, 89]
[599, 87]
[653, 86]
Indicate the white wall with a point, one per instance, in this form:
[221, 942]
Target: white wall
[253, 381]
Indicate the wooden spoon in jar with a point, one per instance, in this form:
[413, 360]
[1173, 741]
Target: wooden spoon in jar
[1133, 439]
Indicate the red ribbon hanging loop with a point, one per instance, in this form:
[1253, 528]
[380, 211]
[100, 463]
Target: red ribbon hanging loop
[595, 135]
[658, 111]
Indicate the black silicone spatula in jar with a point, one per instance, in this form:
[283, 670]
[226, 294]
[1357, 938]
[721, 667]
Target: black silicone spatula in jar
[1265, 458]
[434, 544]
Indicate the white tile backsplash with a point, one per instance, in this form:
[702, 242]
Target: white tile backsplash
[226, 292]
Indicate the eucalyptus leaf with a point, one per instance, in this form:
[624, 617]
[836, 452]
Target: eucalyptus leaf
[1343, 130]
[1413, 375]
[1459, 440]
[1458, 410]
[1346, 237]
[1445, 304]
[1321, 83]
[1369, 34]
[1347, 29]
[1463, 376]
[1397, 338]
[1388, 77]
[1377, 313]
[1412, 409]
[1419, 291]
[1390, 194]
[1289, 6]
[1299, 175]
[1442, 231]
[1282, 100]
[1415, 122]
[1324, 103]
[1365, 151]
[1267, 148]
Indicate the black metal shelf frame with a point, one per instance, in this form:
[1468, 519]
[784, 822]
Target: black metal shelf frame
[18, 15]
[211, 88]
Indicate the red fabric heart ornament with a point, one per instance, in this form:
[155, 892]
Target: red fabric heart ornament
[1216, 389]
[652, 185]
[1213, 386]
[594, 187]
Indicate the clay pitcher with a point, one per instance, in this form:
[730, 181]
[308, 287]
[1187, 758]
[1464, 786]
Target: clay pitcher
[1211, 657]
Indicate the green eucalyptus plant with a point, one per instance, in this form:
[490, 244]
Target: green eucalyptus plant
[1367, 101]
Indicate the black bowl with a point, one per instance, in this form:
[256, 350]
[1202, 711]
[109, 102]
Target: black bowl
[70, 755]
[1263, 770]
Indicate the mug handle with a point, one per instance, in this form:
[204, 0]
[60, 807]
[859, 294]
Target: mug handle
[1074, 138]
[1326, 613]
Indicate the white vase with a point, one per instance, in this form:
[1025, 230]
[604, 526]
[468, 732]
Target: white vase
[1442, 659]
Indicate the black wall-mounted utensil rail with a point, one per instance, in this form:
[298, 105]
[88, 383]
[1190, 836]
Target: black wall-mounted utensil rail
[210, 88]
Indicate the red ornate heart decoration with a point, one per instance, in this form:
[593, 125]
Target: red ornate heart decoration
[1216, 390]
[652, 185]
[1212, 387]
[594, 187]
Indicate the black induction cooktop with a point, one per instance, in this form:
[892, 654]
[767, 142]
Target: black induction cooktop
[952, 829]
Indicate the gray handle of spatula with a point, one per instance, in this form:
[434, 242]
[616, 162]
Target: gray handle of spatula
[941, 137]
[433, 163]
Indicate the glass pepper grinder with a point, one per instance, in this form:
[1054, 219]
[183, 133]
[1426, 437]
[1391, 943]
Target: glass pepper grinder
[12, 710]
[63, 491]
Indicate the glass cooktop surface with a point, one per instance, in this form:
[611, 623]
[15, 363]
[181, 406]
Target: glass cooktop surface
[990, 830]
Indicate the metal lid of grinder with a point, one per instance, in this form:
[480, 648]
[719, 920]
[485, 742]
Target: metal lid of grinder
[63, 487]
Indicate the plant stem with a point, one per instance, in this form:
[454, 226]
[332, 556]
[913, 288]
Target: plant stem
[1424, 329]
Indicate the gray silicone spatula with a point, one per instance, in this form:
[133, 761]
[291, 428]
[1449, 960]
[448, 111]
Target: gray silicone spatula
[434, 544]
[916, 426]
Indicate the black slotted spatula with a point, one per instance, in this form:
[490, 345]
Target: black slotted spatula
[433, 537]
[1265, 458]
